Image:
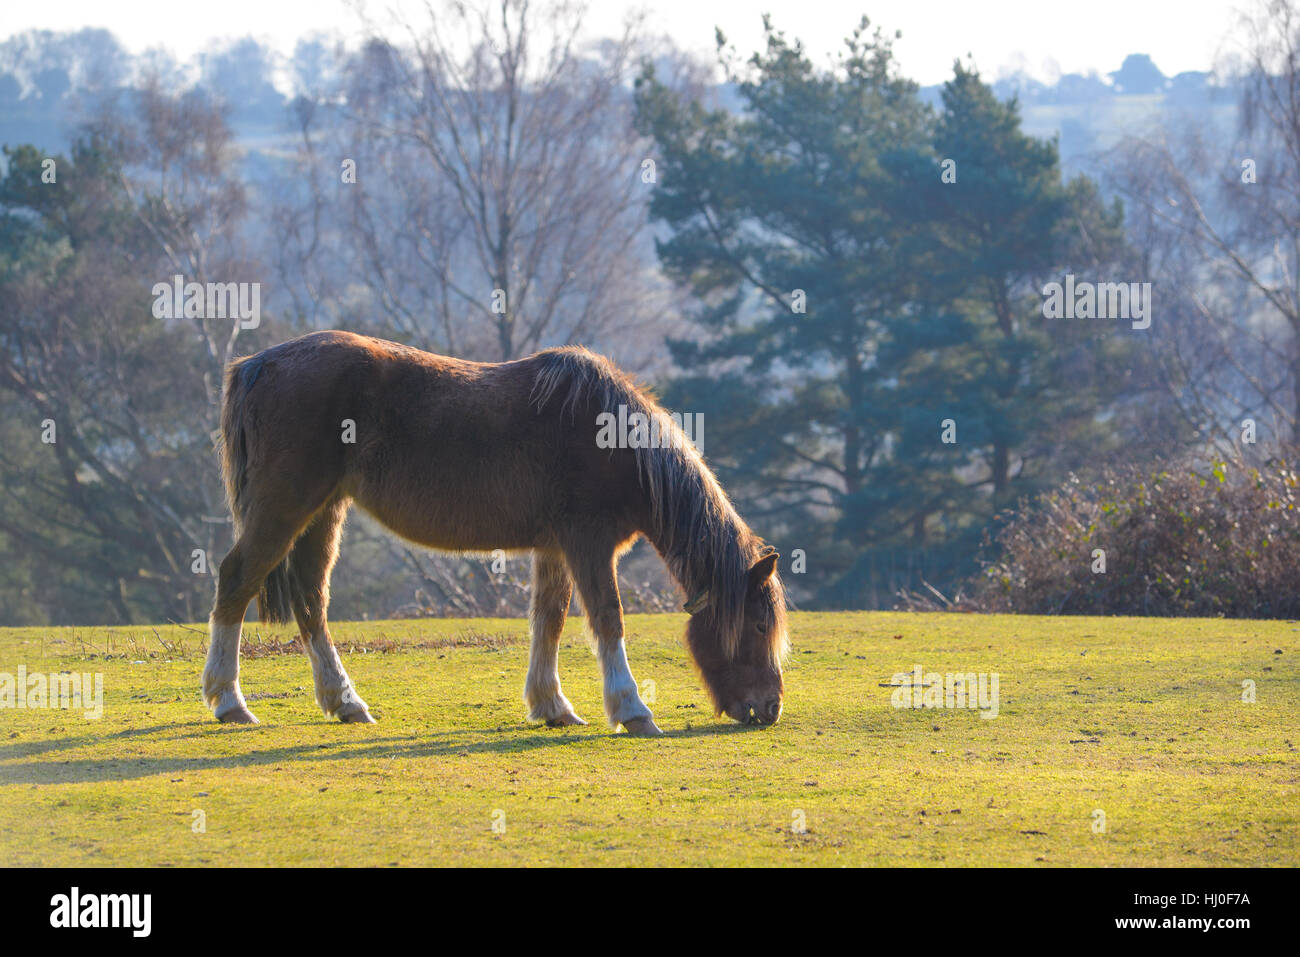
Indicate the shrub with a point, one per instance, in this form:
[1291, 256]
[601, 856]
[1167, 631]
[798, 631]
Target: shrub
[1211, 537]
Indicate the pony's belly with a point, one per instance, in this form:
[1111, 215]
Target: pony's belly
[457, 525]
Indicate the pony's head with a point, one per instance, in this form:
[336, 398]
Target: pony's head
[739, 641]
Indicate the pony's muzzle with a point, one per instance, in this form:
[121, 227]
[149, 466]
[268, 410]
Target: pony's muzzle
[768, 712]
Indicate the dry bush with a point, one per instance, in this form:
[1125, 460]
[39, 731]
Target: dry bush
[1212, 536]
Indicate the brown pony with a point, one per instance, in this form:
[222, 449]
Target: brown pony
[476, 456]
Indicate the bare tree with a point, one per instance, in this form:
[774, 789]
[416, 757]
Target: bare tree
[126, 490]
[1219, 226]
[179, 169]
[500, 188]
[472, 183]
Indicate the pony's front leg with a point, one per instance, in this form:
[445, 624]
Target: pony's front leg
[552, 589]
[623, 705]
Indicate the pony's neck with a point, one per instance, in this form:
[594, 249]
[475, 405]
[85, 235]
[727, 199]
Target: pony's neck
[704, 543]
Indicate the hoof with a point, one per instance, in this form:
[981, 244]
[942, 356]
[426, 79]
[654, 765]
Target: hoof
[354, 714]
[642, 727]
[240, 715]
[564, 721]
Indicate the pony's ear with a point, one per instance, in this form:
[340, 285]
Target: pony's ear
[763, 569]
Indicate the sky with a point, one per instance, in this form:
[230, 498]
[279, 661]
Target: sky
[1040, 37]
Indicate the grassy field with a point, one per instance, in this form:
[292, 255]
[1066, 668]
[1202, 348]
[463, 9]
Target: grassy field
[1141, 720]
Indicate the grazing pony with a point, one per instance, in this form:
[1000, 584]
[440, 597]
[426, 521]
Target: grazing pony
[474, 456]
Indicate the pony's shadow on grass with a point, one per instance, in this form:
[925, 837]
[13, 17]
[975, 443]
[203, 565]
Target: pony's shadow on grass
[30, 748]
[507, 740]
[711, 730]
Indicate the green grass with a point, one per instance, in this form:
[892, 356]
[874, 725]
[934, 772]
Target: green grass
[1142, 719]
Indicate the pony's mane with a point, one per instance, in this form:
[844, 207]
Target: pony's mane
[704, 542]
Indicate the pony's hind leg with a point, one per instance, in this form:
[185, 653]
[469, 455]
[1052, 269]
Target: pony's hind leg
[598, 587]
[221, 673]
[262, 545]
[552, 589]
[310, 565]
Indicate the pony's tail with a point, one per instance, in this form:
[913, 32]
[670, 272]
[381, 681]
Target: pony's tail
[275, 597]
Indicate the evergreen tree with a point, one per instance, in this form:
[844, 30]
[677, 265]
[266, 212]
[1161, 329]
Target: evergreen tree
[907, 400]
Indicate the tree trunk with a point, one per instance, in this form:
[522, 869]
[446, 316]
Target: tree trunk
[1001, 468]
